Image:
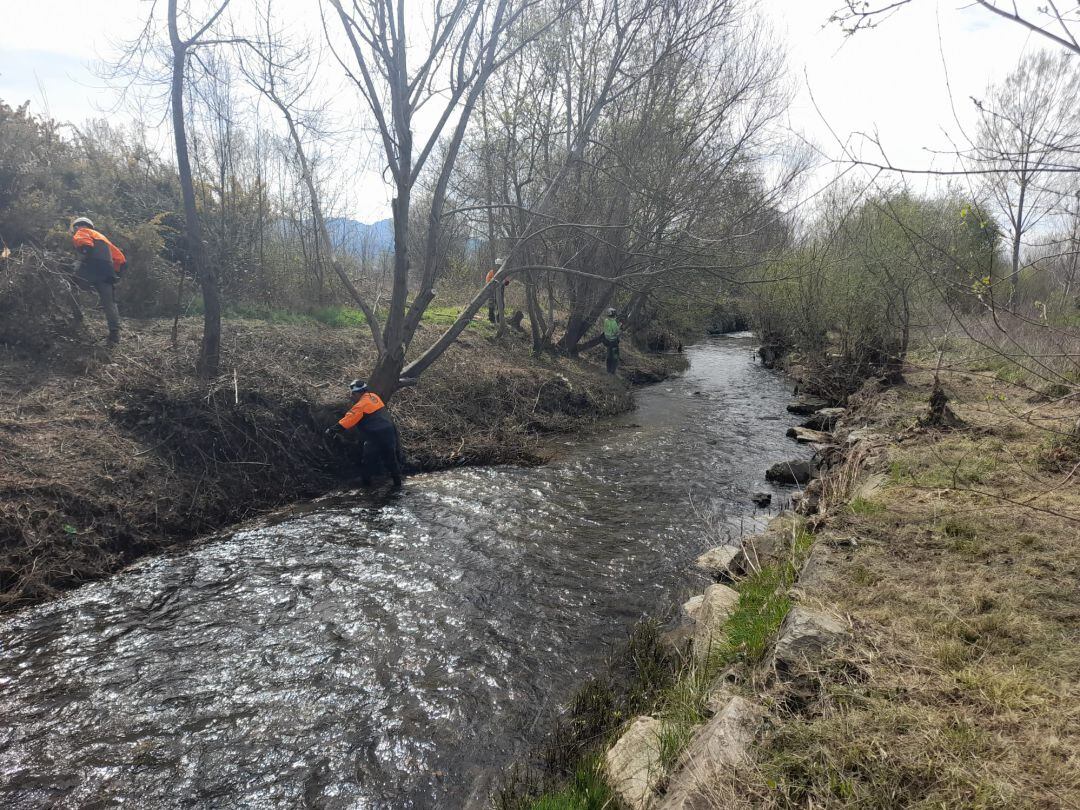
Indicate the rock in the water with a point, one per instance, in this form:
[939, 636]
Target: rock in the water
[770, 354]
[807, 436]
[807, 406]
[721, 744]
[805, 636]
[824, 419]
[717, 605]
[761, 499]
[722, 562]
[796, 471]
[692, 606]
[633, 763]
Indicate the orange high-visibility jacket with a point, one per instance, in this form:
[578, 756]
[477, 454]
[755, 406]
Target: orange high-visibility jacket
[97, 248]
[491, 276]
[368, 404]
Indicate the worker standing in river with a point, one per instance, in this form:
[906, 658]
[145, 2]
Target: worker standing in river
[378, 433]
[612, 332]
[101, 266]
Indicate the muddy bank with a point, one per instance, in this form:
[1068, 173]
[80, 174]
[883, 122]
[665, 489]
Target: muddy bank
[110, 457]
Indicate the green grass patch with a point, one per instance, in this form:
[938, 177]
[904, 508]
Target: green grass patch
[586, 791]
[339, 316]
[441, 316]
[864, 506]
[748, 634]
[944, 466]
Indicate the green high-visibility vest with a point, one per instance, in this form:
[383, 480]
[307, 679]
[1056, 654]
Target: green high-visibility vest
[611, 329]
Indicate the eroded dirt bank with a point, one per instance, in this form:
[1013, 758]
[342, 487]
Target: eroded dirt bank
[107, 457]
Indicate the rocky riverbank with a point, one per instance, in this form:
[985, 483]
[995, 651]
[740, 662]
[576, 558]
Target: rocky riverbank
[111, 456]
[907, 636]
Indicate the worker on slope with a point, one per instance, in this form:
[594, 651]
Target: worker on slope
[612, 331]
[378, 433]
[101, 266]
[495, 301]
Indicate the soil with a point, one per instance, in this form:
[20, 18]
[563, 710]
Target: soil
[108, 456]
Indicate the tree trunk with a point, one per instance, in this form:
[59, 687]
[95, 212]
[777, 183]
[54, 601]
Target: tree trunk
[1018, 235]
[210, 352]
[579, 324]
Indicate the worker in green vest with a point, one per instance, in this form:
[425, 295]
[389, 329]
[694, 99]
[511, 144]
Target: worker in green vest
[612, 330]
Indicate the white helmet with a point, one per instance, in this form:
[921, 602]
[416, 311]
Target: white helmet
[82, 222]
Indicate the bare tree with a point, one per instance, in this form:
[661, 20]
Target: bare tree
[609, 48]
[1042, 18]
[659, 191]
[465, 44]
[1027, 124]
[275, 70]
[182, 47]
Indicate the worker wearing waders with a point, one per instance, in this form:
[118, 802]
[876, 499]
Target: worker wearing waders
[378, 433]
[610, 338]
[101, 266]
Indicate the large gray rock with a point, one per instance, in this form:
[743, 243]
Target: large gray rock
[722, 562]
[796, 471]
[633, 763]
[806, 436]
[692, 607]
[806, 406]
[717, 605]
[863, 435]
[824, 419]
[805, 637]
[722, 744]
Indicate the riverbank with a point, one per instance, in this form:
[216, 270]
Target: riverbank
[909, 638]
[111, 456]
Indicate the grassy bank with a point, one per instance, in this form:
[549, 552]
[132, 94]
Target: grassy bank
[112, 455]
[958, 567]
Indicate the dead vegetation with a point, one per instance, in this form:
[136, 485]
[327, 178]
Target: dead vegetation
[107, 457]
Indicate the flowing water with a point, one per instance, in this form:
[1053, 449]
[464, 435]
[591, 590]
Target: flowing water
[383, 651]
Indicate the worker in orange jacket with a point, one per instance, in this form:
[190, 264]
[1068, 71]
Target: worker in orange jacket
[378, 433]
[496, 299]
[100, 267]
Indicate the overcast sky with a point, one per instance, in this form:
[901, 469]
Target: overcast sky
[890, 81]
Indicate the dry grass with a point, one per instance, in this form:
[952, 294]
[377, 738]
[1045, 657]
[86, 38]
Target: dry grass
[961, 575]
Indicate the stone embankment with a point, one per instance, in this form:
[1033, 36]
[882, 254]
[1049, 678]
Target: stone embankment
[751, 635]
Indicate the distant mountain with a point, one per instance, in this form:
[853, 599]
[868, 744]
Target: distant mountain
[354, 237]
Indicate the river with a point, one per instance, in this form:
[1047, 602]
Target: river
[383, 651]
